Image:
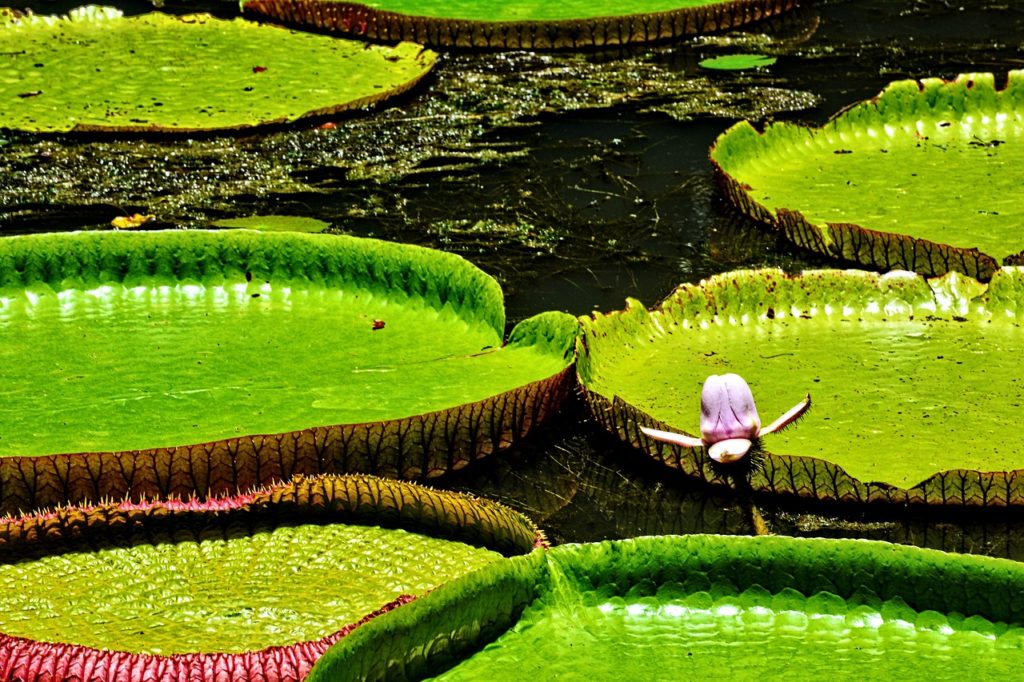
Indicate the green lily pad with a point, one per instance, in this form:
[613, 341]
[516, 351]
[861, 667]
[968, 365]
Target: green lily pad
[924, 177]
[736, 62]
[532, 24]
[705, 607]
[218, 578]
[158, 363]
[251, 587]
[915, 383]
[97, 71]
[273, 223]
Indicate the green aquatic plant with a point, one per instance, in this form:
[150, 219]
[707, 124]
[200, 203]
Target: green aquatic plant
[250, 587]
[729, 423]
[736, 62]
[273, 223]
[160, 363]
[703, 607]
[901, 368]
[530, 24]
[95, 70]
[923, 177]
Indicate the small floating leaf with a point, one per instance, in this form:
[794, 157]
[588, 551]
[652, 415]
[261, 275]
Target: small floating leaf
[274, 223]
[736, 62]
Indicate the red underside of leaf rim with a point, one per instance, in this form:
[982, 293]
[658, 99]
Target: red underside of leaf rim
[352, 498]
[360, 20]
[26, 660]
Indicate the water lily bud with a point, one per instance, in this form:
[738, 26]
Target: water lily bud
[729, 424]
[727, 410]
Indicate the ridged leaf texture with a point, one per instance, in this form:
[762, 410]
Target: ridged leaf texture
[252, 587]
[706, 606]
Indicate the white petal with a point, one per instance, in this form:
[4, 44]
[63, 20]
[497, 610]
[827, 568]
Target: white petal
[729, 450]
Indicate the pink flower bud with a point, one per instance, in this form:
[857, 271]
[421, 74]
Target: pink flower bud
[729, 423]
[727, 412]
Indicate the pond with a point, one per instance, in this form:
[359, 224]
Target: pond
[577, 180]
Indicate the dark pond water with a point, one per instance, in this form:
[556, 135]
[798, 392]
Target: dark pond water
[577, 180]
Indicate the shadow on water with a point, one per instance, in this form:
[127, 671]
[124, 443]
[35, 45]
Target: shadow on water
[583, 486]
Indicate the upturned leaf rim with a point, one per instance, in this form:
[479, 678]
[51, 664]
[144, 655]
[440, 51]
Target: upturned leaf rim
[359, 20]
[968, 98]
[417, 446]
[328, 499]
[760, 294]
[461, 618]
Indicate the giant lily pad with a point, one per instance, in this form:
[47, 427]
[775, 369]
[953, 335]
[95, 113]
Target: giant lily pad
[705, 607]
[250, 587]
[160, 363]
[916, 384]
[924, 177]
[96, 70]
[532, 24]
